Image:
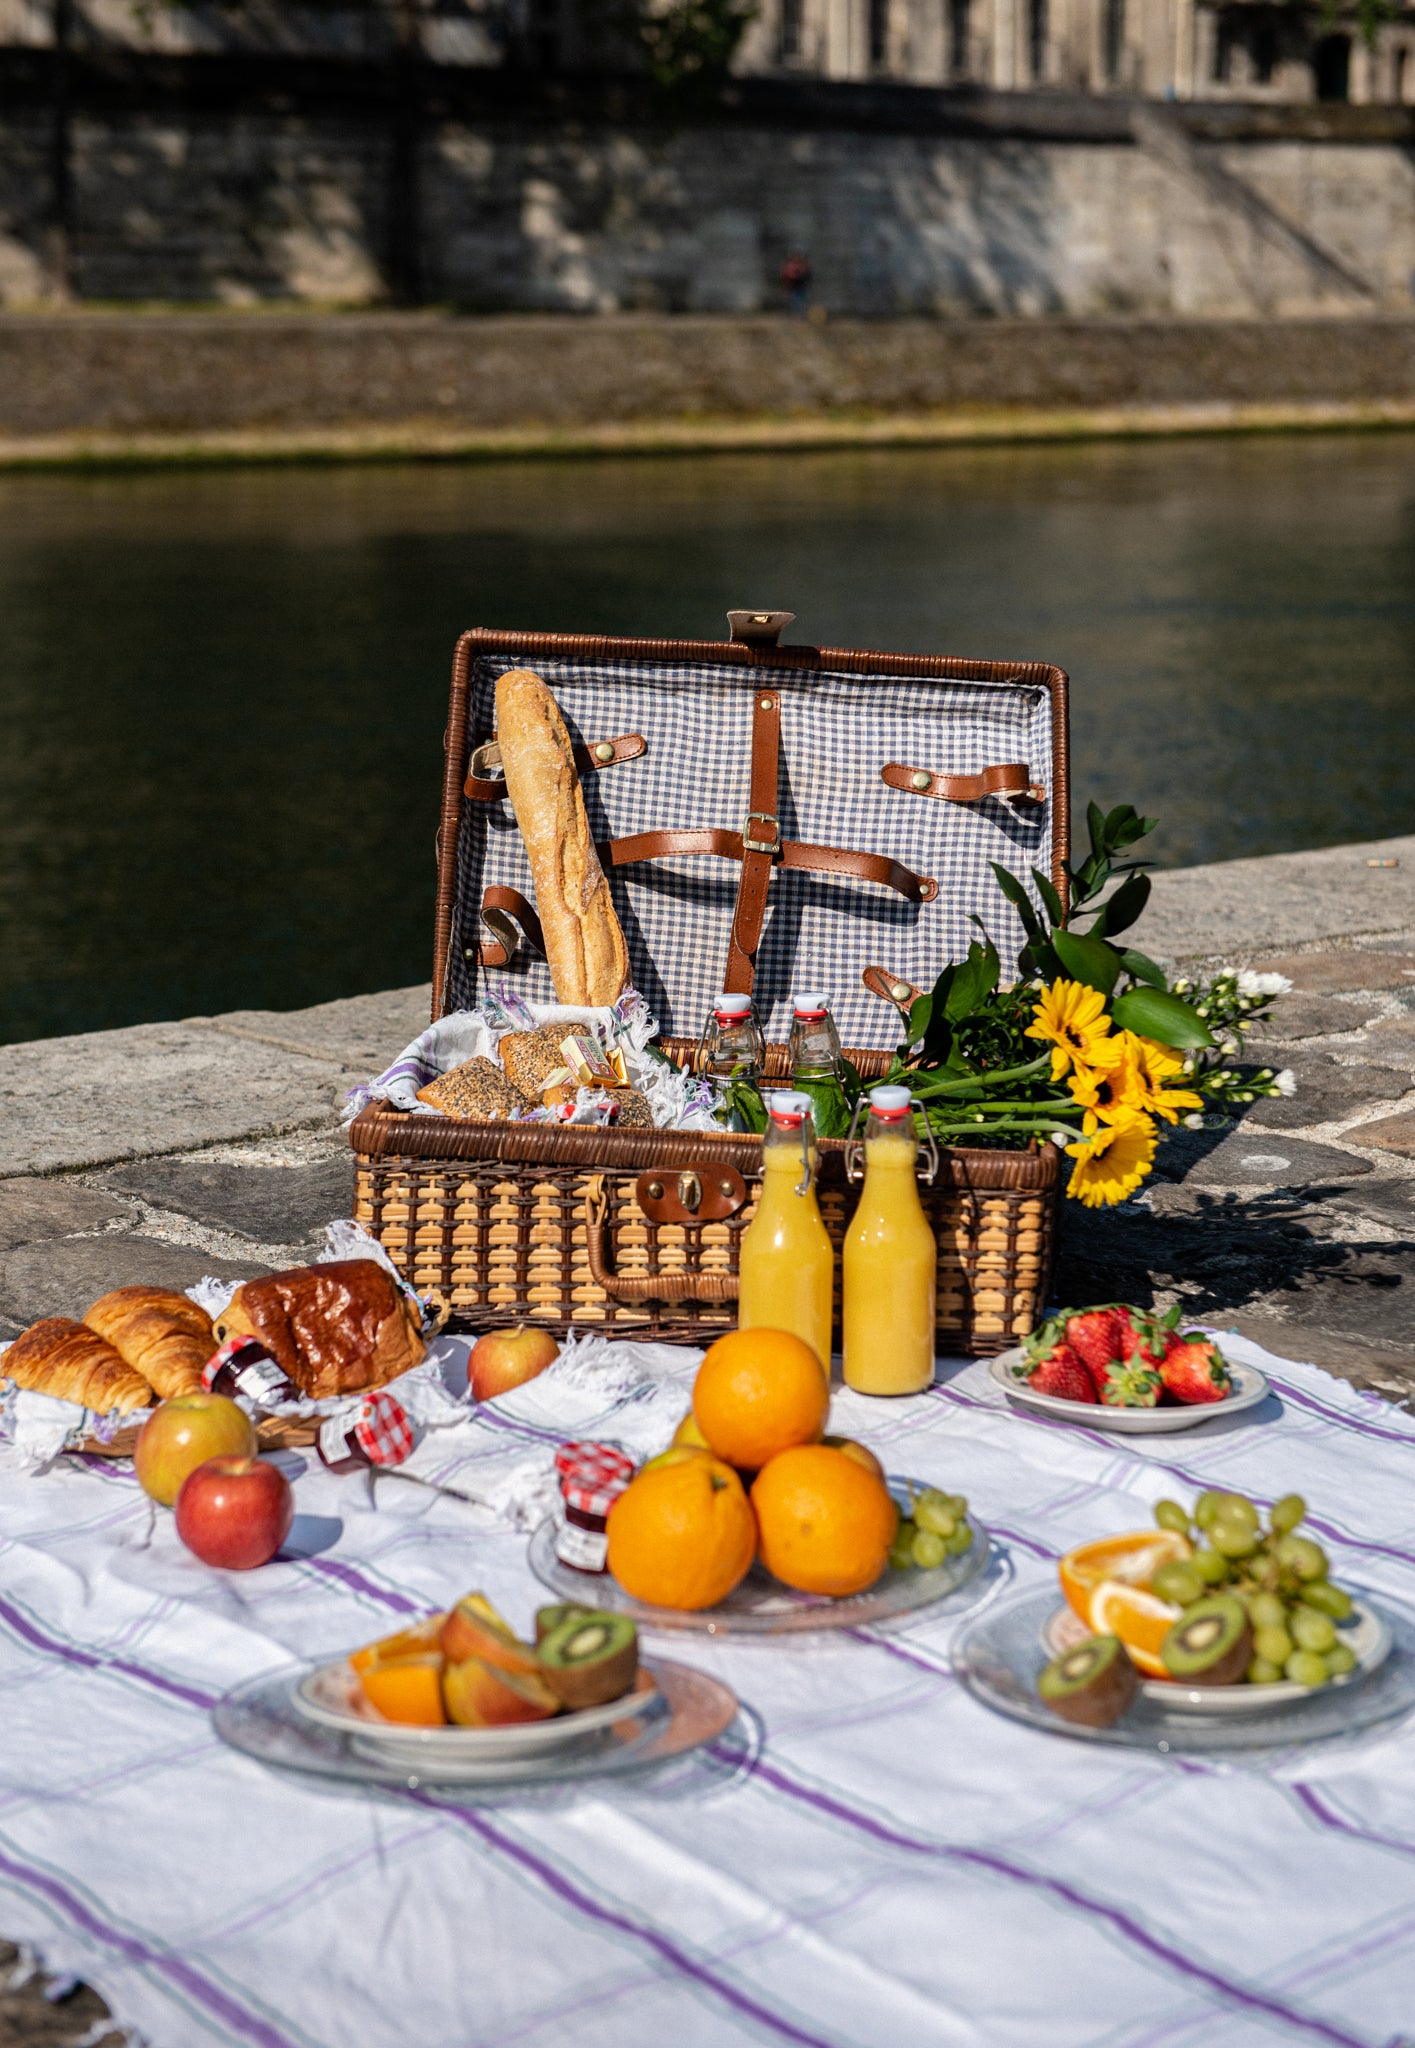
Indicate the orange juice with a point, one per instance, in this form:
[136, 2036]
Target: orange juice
[889, 1261]
[787, 1262]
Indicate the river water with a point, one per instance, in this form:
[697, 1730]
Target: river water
[222, 693]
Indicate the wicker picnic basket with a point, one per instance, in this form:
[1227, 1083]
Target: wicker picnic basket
[910, 773]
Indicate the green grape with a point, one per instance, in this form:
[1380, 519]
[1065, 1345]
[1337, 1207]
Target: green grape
[931, 1511]
[1178, 1581]
[1327, 1599]
[1206, 1507]
[1312, 1631]
[1340, 1660]
[1234, 1507]
[1274, 1645]
[1233, 1539]
[1303, 1558]
[959, 1541]
[1265, 1610]
[1212, 1568]
[1285, 1514]
[901, 1550]
[957, 1503]
[1305, 1667]
[929, 1550]
[1170, 1515]
[1260, 1672]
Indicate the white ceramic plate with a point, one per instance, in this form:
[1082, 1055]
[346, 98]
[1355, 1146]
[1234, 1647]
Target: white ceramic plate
[332, 1697]
[1249, 1388]
[1366, 1635]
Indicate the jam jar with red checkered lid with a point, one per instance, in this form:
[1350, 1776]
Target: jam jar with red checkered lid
[592, 1477]
[242, 1365]
[376, 1432]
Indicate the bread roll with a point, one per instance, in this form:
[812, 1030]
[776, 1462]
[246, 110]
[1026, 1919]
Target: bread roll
[159, 1333]
[475, 1092]
[73, 1363]
[530, 1057]
[335, 1329]
[584, 946]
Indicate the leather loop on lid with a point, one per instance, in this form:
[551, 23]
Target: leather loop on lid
[502, 909]
[795, 853]
[760, 840]
[1009, 779]
[485, 788]
[892, 988]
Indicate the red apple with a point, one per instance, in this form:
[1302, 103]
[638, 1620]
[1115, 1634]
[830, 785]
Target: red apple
[503, 1359]
[183, 1433]
[235, 1512]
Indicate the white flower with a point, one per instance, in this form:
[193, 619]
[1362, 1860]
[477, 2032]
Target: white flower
[1285, 1082]
[1251, 984]
[1194, 1121]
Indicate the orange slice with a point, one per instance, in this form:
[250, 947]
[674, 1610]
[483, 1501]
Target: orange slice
[408, 1689]
[1140, 1619]
[1132, 1559]
[407, 1642]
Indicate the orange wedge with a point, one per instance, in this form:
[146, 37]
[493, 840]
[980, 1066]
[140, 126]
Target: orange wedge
[1140, 1619]
[408, 1689]
[407, 1642]
[1132, 1559]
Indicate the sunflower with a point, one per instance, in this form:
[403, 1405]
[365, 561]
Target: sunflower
[1109, 1092]
[1074, 1018]
[1155, 1066]
[1112, 1160]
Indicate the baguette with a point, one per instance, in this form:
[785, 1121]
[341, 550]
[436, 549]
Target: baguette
[584, 945]
[73, 1363]
[159, 1333]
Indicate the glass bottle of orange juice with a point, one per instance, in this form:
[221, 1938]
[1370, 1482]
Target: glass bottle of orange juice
[787, 1262]
[889, 1261]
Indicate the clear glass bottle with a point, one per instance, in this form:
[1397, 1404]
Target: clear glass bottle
[732, 1041]
[889, 1261]
[787, 1263]
[817, 1063]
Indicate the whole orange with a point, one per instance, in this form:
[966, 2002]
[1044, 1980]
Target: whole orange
[759, 1392]
[682, 1535]
[824, 1523]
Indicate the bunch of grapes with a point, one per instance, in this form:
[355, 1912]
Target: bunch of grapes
[936, 1527]
[1280, 1577]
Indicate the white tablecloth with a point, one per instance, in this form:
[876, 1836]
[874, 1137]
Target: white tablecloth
[875, 1859]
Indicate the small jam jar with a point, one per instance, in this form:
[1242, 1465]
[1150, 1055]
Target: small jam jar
[242, 1365]
[592, 1477]
[374, 1432]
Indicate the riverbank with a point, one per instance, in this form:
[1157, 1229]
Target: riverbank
[135, 389]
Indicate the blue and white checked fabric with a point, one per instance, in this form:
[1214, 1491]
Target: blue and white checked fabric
[868, 1858]
[837, 733]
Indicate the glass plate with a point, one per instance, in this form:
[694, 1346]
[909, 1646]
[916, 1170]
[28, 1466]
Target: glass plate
[761, 1605]
[261, 1719]
[332, 1696]
[1250, 1389]
[1000, 1654]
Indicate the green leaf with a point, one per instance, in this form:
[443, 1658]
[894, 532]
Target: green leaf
[1142, 968]
[1016, 894]
[917, 1022]
[1120, 911]
[1051, 902]
[1095, 825]
[1086, 959]
[1155, 1013]
[975, 980]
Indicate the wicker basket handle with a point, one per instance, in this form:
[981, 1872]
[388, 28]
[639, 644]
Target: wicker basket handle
[717, 1287]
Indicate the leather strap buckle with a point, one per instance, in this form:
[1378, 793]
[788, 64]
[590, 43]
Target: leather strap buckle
[750, 845]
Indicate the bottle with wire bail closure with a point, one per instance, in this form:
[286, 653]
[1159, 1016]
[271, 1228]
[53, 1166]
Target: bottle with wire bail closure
[817, 1063]
[732, 1046]
[889, 1261]
[787, 1268]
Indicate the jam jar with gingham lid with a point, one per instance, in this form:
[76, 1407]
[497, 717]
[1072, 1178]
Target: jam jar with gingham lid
[592, 1477]
[242, 1365]
[374, 1431]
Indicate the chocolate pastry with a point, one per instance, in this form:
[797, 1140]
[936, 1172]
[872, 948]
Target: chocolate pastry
[335, 1329]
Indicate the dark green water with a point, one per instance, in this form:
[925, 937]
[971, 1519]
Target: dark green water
[222, 694]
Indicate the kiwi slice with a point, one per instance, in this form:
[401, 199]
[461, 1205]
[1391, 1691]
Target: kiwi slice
[549, 1619]
[591, 1658]
[1091, 1684]
[1211, 1643]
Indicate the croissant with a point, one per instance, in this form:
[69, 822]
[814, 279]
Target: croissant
[158, 1332]
[72, 1362]
[334, 1329]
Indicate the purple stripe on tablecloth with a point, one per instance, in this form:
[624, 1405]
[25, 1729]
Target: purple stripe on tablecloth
[345, 1575]
[893, 1649]
[485, 1413]
[1340, 1417]
[216, 2001]
[1001, 1866]
[93, 1660]
[668, 1950]
[1323, 1813]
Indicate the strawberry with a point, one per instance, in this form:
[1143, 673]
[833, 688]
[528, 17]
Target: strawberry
[1061, 1373]
[1094, 1334]
[1134, 1385]
[1193, 1370]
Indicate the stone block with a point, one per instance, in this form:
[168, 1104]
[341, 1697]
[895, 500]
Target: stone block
[1390, 1041]
[1344, 970]
[1391, 1202]
[364, 1034]
[1242, 910]
[272, 1204]
[1249, 1158]
[1298, 1016]
[1368, 1292]
[63, 1278]
[34, 1209]
[1388, 1134]
[1325, 1094]
[1379, 1368]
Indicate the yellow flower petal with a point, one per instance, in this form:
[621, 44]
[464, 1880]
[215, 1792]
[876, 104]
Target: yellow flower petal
[1073, 1018]
[1111, 1160]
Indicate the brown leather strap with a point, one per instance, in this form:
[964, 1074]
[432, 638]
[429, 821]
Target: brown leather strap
[794, 853]
[509, 903]
[1009, 779]
[760, 842]
[892, 988]
[486, 789]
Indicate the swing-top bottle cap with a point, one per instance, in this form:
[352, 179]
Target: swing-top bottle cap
[789, 1107]
[890, 1103]
[811, 1003]
[725, 1006]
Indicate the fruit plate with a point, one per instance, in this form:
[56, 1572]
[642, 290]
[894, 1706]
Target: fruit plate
[999, 1655]
[1366, 1634]
[761, 1605]
[332, 1696]
[686, 1709]
[1249, 1389]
